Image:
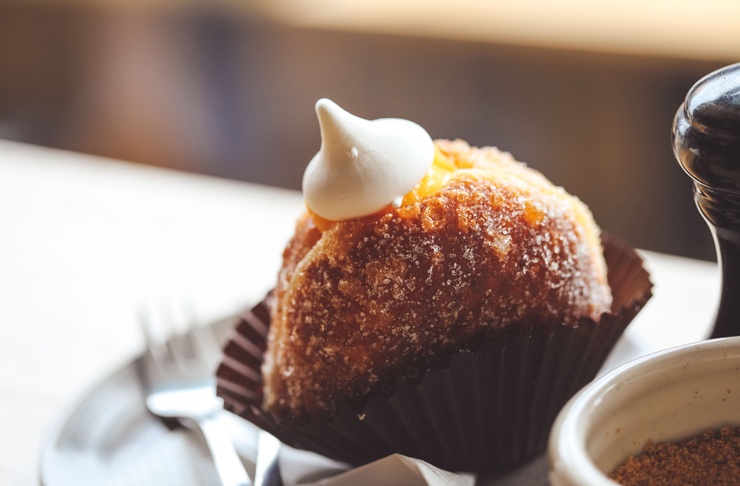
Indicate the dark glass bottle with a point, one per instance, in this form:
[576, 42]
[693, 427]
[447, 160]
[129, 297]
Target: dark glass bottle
[706, 142]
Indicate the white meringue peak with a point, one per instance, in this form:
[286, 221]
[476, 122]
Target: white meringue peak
[363, 166]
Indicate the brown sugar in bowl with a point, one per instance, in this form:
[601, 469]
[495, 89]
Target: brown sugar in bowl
[666, 397]
[711, 458]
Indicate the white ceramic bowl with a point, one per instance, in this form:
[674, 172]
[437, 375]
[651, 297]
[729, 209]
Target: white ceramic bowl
[667, 396]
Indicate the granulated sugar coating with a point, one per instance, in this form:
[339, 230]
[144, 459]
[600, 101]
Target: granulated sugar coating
[707, 460]
[498, 248]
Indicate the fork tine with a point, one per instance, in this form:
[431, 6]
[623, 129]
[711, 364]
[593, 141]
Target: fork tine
[179, 343]
[207, 345]
[203, 338]
[145, 325]
[157, 348]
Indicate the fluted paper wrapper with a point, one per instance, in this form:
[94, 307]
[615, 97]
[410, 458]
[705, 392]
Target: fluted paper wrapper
[490, 409]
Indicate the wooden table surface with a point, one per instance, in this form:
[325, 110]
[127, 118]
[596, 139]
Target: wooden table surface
[85, 241]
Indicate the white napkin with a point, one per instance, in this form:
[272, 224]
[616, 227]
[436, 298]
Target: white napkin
[301, 468]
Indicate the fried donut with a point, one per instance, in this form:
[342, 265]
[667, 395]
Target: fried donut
[498, 248]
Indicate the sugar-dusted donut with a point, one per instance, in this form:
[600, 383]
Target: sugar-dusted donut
[497, 248]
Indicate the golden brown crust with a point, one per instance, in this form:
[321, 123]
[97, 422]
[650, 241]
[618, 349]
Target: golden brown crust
[497, 248]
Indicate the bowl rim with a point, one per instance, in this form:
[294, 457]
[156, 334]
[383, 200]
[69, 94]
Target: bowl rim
[568, 460]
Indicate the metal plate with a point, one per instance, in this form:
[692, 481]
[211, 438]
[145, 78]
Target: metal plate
[109, 438]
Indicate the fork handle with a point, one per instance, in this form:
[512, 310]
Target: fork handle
[229, 466]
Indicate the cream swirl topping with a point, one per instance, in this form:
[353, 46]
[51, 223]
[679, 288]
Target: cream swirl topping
[363, 165]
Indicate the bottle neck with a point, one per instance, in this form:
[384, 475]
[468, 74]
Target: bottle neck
[721, 210]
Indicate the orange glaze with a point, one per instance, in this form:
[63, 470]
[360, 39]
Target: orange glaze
[436, 177]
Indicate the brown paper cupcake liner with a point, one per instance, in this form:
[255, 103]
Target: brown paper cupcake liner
[487, 410]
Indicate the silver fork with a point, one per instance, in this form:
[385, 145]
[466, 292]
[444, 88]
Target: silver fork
[178, 377]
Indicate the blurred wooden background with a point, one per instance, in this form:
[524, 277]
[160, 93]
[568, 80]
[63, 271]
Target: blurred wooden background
[229, 91]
